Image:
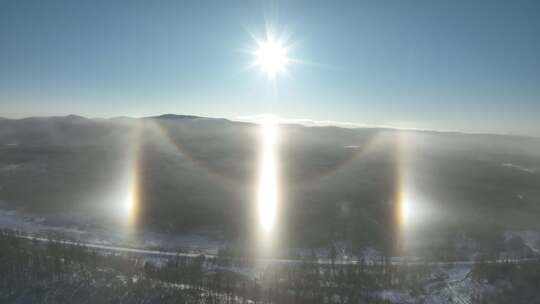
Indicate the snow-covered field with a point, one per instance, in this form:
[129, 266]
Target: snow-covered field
[448, 282]
[86, 231]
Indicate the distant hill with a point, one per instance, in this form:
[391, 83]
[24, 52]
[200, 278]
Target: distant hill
[201, 173]
[175, 116]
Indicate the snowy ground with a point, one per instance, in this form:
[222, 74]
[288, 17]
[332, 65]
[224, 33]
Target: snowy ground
[88, 232]
[448, 283]
[77, 228]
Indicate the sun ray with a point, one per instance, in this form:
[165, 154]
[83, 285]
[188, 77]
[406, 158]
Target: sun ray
[268, 183]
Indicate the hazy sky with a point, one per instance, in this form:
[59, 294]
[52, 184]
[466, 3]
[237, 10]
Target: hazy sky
[460, 65]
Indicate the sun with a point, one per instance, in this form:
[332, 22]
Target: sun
[271, 56]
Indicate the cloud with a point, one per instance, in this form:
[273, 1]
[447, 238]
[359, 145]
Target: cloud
[259, 118]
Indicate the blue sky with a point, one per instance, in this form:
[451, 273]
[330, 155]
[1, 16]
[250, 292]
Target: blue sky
[452, 65]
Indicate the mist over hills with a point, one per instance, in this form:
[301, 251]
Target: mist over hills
[195, 173]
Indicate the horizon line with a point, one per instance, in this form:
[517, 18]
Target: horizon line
[305, 122]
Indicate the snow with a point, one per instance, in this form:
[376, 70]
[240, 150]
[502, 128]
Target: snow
[530, 238]
[86, 232]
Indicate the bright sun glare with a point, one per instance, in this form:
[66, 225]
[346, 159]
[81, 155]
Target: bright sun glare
[268, 192]
[128, 203]
[271, 56]
[406, 209]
